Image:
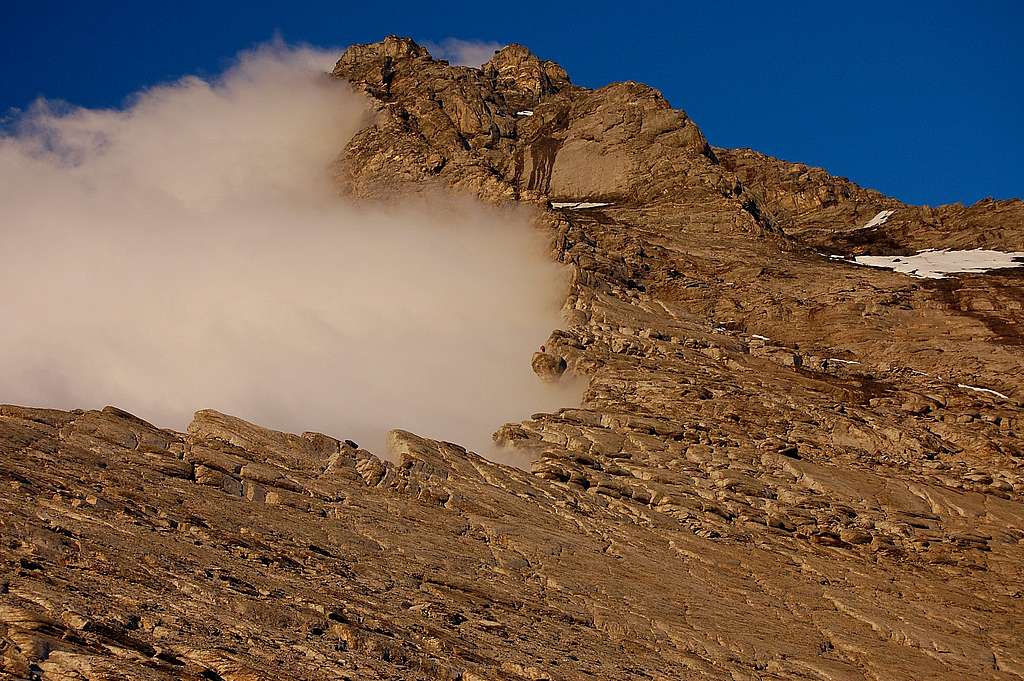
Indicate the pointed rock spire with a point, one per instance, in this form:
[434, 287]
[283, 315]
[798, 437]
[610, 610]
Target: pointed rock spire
[515, 66]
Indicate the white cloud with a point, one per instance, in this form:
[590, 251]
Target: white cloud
[463, 52]
[191, 252]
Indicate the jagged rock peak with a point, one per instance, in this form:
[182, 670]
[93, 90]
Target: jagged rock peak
[392, 47]
[514, 65]
[516, 128]
[374, 63]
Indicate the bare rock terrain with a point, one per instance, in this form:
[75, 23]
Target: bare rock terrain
[786, 465]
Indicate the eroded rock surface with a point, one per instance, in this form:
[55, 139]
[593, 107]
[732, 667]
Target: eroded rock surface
[785, 466]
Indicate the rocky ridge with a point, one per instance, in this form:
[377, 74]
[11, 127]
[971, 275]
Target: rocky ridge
[785, 466]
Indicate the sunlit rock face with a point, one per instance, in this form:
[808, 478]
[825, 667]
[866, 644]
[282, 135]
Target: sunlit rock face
[784, 465]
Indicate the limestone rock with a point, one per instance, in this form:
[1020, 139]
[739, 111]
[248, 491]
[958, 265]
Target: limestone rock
[548, 367]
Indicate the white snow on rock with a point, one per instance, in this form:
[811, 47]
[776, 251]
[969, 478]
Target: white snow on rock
[524, 113]
[879, 219]
[981, 390]
[932, 264]
[759, 337]
[577, 205]
[841, 361]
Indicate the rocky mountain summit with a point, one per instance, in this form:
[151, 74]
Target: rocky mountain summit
[786, 465]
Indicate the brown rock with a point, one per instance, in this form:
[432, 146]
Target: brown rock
[776, 471]
[548, 367]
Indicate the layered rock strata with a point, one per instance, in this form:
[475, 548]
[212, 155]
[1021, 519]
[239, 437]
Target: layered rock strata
[785, 466]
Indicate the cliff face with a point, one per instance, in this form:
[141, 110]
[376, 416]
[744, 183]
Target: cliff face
[785, 466]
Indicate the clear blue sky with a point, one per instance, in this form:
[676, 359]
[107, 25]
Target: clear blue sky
[921, 100]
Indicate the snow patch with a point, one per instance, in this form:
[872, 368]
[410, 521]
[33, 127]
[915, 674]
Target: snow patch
[933, 264]
[759, 337]
[524, 113]
[981, 390]
[841, 361]
[577, 205]
[879, 219]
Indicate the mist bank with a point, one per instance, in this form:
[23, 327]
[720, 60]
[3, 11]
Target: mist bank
[190, 251]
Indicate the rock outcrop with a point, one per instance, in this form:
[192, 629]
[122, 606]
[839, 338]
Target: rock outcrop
[785, 465]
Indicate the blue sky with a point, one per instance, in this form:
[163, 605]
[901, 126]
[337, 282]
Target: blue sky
[921, 100]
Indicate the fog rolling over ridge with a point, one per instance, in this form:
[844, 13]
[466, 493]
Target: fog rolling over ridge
[190, 252]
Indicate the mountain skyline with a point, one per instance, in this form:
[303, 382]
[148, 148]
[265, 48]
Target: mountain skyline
[915, 100]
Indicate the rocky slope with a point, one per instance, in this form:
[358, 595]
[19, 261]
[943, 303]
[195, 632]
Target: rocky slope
[785, 466]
